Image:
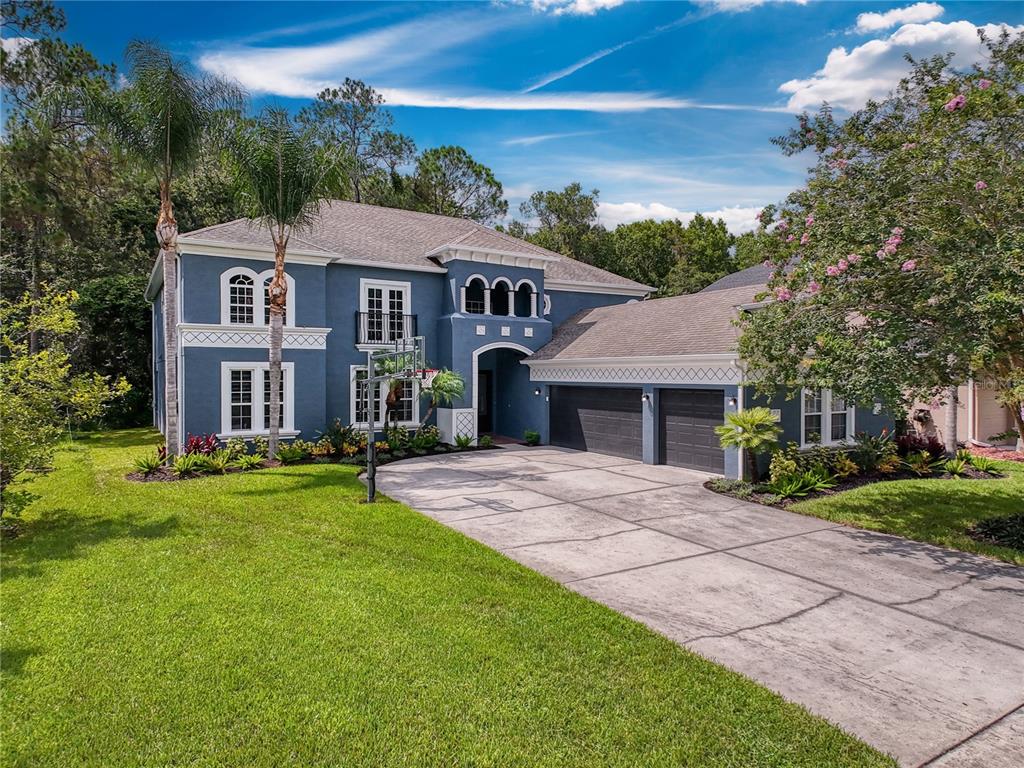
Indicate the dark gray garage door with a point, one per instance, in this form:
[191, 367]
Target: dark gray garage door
[686, 433]
[600, 419]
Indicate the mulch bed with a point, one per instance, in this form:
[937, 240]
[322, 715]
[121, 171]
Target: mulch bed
[166, 475]
[769, 499]
[1002, 454]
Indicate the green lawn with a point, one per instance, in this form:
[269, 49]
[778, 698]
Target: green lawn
[935, 511]
[270, 619]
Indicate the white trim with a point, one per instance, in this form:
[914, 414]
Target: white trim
[474, 276]
[510, 297]
[287, 428]
[502, 279]
[547, 305]
[212, 335]
[533, 294]
[971, 407]
[453, 252]
[718, 357]
[719, 370]
[290, 299]
[487, 295]
[381, 401]
[476, 372]
[826, 420]
[582, 286]
[366, 283]
[352, 262]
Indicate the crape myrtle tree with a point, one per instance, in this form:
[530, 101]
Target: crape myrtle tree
[159, 120]
[898, 271]
[284, 177]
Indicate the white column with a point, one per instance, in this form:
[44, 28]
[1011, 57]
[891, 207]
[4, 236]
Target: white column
[533, 304]
[487, 301]
[462, 299]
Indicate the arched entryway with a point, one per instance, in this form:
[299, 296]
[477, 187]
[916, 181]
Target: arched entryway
[503, 398]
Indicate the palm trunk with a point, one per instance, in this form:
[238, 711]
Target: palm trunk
[752, 463]
[278, 293]
[949, 430]
[167, 237]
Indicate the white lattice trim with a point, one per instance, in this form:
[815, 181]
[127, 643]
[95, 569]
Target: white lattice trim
[699, 371]
[240, 337]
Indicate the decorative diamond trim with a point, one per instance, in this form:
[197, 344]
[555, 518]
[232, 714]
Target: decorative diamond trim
[640, 375]
[251, 338]
[465, 422]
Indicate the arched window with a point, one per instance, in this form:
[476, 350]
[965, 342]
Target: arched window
[475, 296]
[501, 297]
[525, 301]
[266, 301]
[240, 299]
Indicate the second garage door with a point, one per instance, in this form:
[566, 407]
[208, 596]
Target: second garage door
[600, 419]
[688, 418]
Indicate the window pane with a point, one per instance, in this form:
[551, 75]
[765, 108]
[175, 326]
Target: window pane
[404, 407]
[839, 426]
[266, 300]
[812, 429]
[241, 400]
[812, 401]
[240, 299]
[359, 392]
[396, 309]
[266, 399]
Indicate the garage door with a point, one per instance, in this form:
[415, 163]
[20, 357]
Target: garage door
[603, 420]
[688, 418]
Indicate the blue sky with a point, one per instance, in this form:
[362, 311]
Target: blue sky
[667, 108]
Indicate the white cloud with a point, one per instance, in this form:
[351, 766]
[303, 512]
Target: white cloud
[575, 7]
[529, 141]
[871, 70]
[598, 101]
[740, 6]
[912, 14]
[12, 45]
[738, 219]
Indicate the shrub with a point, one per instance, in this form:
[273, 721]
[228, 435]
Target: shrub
[755, 430]
[322, 448]
[338, 434]
[870, 450]
[819, 479]
[1005, 531]
[922, 464]
[1009, 436]
[956, 467]
[844, 466]
[531, 437]
[348, 450]
[236, 447]
[396, 437]
[289, 454]
[783, 464]
[789, 486]
[464, 441]
[381, 446]
[735, 487]
[148, 463]
[201, 444]
[247, 461]
[890, 464]
[963, 455]
[984, 464]
[426, 438]
[485, 441]
[216, 462]
[260, 446]
[187, 464]
[914, 443]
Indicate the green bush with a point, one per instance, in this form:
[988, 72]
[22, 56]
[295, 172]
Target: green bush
[783, 464]
[426, 438]
[984, 464]
[247, 462]
[531, 437]
[485, 441]
[186, 464]
[339, 434]
[956, 467]
[922, 464]
[260, 446]
[754, 430]
[844, 466]
[216, 462]
[464, 441]
[397, 438]
[740, 488]
[236, 447]
[289, 454]
[869, 451]
[1007, 531]
[803, 483]
[148, 463]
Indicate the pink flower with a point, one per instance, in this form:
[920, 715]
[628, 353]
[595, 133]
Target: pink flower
[841, 163]
[805, 238]
[814, 286]
[910, 145]
[898, 231]
[810, 135]
[957, 102]
[853, 258]
[980, 185]
[767, 264]
[984, 84]
[832, 270]
[810, 220]
[908, 266]
[783, 294]
[791, 238]
[843, 265]
[880, 254]
[889, 249]
[783, 225]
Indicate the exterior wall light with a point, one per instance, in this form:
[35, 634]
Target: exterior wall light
[645, 397]
[732, 402]
[536, 391]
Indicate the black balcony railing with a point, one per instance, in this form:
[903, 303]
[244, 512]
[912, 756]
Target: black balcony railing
[383, 327]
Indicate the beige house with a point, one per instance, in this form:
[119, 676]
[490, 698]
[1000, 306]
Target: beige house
[980, 417]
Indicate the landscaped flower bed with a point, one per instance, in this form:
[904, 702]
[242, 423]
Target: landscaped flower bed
[205, 455]
[796, 475]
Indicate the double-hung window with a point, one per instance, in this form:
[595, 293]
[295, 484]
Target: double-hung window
[245, 399]
[406, 409]
[825, 418]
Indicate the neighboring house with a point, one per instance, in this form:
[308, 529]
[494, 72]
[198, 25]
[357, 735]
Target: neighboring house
[981, 418]
[544, 342]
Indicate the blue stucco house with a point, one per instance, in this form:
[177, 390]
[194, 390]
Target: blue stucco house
[544, 342]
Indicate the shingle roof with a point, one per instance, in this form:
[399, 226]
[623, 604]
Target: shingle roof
[372, 233]
[695, 324]
[751, 276]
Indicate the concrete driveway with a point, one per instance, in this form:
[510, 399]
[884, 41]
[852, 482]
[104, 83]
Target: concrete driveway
[916, 649]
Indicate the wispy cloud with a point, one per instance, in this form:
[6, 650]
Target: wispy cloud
[574, 7]
[529, 141]
[297, 30]
[916, 13]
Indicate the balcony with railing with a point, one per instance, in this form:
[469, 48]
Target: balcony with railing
[384, 327]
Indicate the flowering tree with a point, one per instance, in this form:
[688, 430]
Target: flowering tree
[899, 268]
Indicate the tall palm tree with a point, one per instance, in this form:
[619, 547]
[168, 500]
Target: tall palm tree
[160, 119]
[286, 178]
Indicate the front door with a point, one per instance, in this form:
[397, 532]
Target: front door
[484, 419]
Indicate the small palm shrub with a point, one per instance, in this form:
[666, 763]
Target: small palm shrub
[464, 441]
[956, 467]
[148, 463]
[984, 464]
[755, 430]
[217, 462]
[922, 464]
[248, 461]
[531, 437]
[186, 464]
[871, 450]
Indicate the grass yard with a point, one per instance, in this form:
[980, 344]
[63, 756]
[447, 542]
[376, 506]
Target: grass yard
[270, 619]
[934, 511]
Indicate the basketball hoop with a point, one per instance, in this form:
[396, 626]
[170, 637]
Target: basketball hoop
[427, 376]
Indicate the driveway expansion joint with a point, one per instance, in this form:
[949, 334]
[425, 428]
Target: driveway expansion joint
[971, 737]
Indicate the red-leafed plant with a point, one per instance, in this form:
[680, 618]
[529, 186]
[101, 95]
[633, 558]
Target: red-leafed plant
[204, 444]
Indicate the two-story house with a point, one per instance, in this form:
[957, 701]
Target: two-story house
[544, 342]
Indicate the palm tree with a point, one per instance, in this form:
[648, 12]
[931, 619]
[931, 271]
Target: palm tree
[754, 430]
[445, 387]
[286, 178]
[160, 119]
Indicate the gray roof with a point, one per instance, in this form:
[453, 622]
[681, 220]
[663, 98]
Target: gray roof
[372, 233]
[694, 324]
[751, 276]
